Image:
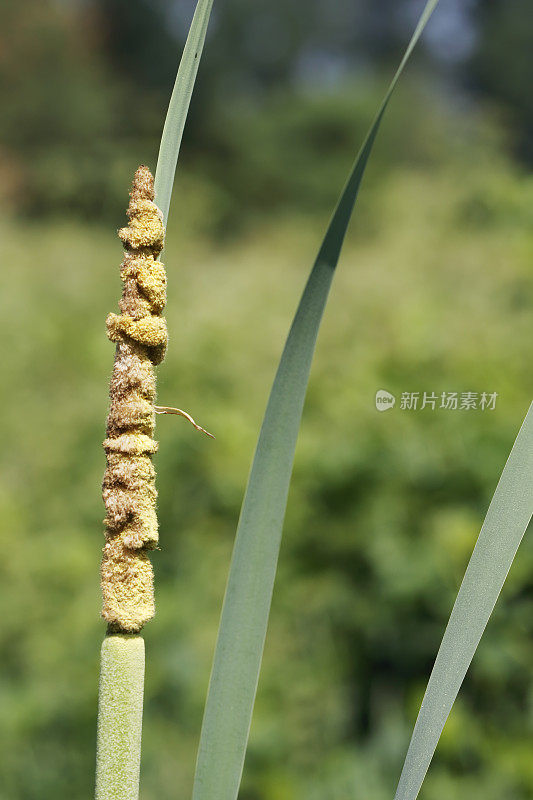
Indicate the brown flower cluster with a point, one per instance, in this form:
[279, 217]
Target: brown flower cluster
[129, 492]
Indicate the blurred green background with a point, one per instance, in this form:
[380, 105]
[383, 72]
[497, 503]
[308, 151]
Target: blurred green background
[433, 294]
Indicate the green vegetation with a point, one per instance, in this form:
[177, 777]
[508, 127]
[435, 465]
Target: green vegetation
[248, 596]
[433, 294]
[503, 529]
[74, 72]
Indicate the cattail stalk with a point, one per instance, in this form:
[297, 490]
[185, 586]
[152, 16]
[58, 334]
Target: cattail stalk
[120, 709]
[129, 494]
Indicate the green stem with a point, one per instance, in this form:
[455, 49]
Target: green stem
[120, 708]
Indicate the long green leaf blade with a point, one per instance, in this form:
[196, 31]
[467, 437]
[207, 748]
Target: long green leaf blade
[508, 516]
[246, 608]
[179, 106]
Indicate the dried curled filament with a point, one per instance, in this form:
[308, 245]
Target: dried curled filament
[128, 490]
[180, 413]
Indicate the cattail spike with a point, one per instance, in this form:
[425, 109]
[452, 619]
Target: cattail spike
[128, 490]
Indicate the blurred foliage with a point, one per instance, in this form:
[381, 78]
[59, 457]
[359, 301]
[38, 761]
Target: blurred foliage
[433, 294]
[88, 84]
[500, 63]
